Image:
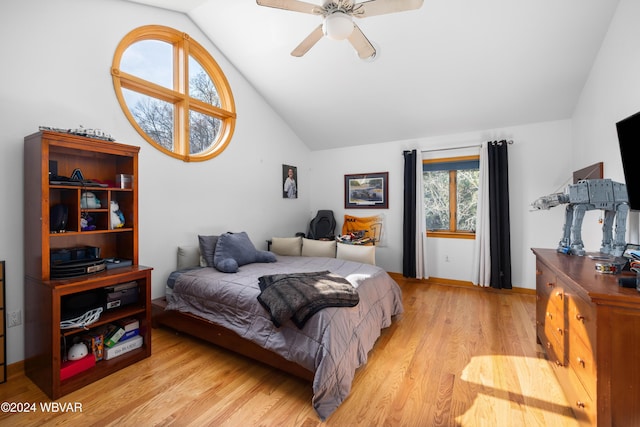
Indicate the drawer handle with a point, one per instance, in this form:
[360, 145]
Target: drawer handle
[580, 317]
[549, 315]
[580, 404]
[559, 294]
[549, 345]
[560, 331]
[581, 361]
[559, 363]
[550, 284]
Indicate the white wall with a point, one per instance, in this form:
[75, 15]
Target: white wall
[56, 60]
[539, 164]
[611, 93]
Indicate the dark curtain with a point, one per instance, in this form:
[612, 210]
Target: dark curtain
[409, 216]
[500, 246]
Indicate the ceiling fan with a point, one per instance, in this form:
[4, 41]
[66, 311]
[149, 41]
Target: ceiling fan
[337, 20]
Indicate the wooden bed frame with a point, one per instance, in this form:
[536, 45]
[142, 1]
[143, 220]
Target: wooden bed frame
[202, 328]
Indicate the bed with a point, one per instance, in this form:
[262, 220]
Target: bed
[223, 308]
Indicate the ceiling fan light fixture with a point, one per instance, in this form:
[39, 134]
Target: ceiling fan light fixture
[337, 26]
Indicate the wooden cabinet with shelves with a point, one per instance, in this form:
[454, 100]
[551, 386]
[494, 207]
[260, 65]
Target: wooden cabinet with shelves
[100, 162]
[589, 328]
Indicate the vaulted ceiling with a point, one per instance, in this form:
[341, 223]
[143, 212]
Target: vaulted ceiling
[451, 66]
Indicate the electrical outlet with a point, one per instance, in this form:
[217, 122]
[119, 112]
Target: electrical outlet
[14, 318]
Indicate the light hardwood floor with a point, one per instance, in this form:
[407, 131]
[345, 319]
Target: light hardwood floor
[457, 357]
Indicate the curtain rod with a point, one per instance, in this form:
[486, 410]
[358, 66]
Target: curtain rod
[510, 142]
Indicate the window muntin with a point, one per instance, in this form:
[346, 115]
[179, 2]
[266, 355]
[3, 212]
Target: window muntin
[451, 196]
[173, 93]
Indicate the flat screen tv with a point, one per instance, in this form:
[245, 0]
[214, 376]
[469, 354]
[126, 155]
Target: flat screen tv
[629, 139]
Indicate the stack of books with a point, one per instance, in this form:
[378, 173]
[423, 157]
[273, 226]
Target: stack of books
[122, 337]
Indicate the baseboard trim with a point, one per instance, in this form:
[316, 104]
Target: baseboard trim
[461, 283]
[16, 368]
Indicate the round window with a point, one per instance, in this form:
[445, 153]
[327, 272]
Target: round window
[174, 93]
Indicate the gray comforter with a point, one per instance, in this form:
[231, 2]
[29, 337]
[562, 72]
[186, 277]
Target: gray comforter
[333, 343]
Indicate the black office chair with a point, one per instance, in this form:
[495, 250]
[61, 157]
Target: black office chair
[323, 226]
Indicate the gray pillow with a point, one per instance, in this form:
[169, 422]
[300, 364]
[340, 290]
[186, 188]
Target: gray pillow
[235, 249]
[208, 248]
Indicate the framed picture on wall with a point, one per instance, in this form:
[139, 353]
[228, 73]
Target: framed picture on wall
[289, 182]
[366, 191]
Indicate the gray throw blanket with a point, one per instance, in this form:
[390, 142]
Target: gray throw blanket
[298, 296]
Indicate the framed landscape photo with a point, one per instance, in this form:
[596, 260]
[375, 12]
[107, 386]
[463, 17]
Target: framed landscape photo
[366, 191]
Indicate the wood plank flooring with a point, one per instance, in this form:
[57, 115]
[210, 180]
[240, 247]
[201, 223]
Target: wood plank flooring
[457, 357]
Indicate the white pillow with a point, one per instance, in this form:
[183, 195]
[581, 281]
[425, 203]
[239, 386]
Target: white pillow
[188, 256]
[325, 248]
[359, 253]
[290, 246]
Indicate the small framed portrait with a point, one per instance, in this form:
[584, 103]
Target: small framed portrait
[289, 182]
[366, 191]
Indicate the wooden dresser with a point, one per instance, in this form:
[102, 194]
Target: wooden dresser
[589, 328]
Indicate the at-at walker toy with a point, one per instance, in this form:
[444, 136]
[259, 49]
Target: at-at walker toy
[586, 195]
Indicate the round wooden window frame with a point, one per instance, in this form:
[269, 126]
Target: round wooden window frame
[183, 47]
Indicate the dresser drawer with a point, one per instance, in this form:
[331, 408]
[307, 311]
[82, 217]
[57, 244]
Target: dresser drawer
[547, 312]
[545, 281]
[582, 361]
[542, 299]
[554, 326]
[581, 317]
[554, 349]
[582, 404]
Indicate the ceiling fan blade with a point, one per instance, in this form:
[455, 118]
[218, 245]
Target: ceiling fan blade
[293, 5]
[382, 7]
[308, 42]
[361, 43]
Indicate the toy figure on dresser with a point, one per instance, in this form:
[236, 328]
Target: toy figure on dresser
[88, 200]
[77, 351]
[586, 195]
[117, 217]
[86, 222]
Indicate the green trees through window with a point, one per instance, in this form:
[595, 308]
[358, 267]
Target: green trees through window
[451, 194]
